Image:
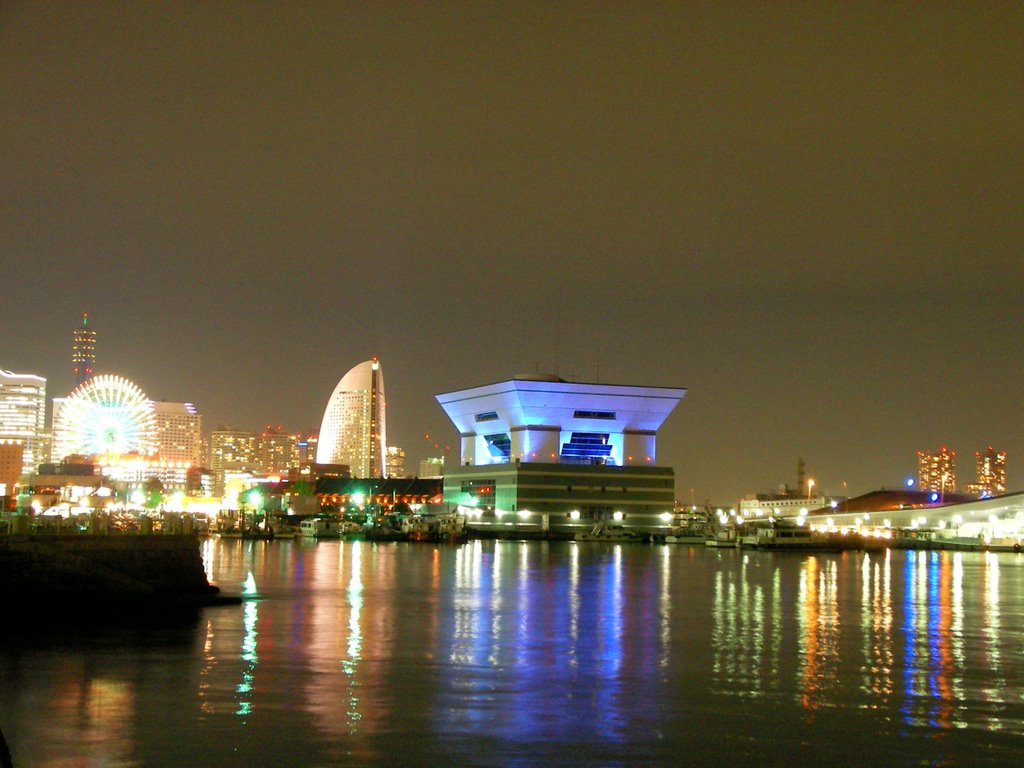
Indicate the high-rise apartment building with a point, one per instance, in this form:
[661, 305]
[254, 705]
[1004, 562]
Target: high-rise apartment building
[395, 462]
[179, 429]
[991, 466]
[232, 452]
[353, 427]
[307, 449]
[937, 471]
[277, 451]
[83, 352]
[23, 415]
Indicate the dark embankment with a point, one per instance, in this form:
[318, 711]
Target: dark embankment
[102, 576]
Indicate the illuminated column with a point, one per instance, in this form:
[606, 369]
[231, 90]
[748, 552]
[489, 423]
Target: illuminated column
[536, 443]
[468, 454]
[638, 447]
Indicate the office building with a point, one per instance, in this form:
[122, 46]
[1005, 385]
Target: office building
[433, 467]
[23, 416]
[937, 471]
[306, 447]
[991, 466]
[178, 432]
[277, 451]
[11, 457]
[805, 498]
[395, 460]
[542, 452]
[233, 453]
[83, 353]
[353, 429]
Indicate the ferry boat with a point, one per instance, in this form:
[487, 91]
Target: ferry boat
[787, 537]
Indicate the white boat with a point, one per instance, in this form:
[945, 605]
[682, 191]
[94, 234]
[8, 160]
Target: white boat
[725, 538]
[673, 538]
[684, 535]
[322, 528]
[602, 532]
[789, 537]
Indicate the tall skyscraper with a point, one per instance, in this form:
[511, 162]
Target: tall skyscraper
[178, 432]
[83, 352]
[991, 467]
[23, 415]
[937, 471]
[353, 427]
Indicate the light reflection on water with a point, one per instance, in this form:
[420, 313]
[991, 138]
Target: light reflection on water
[507, 653]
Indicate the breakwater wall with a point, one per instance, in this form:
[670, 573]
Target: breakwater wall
[101, 572]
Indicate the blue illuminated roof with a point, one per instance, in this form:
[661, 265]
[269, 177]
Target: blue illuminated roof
[546, 401]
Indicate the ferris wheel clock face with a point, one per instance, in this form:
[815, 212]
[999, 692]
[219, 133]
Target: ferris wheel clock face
[108, 414]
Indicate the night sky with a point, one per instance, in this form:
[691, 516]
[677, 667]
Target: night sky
[809, 215]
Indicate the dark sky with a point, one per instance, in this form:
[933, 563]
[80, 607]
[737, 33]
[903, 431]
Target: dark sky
[811, 215]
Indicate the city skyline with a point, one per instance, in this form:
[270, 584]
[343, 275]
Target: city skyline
[990, 471]
[811, 218]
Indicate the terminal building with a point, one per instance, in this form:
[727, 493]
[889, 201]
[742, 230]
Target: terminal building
[541, 453]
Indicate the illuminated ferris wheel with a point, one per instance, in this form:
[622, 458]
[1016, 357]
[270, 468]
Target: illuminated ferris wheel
[106, 414]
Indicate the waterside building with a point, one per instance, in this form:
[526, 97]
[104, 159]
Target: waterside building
[541, 452]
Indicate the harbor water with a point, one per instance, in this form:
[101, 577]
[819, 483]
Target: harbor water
[496, 653]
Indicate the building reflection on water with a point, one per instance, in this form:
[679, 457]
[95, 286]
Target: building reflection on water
[528, 642]
[868, 633]
[881, 630]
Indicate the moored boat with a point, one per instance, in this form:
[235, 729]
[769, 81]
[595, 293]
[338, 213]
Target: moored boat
[602, 532]
[322, 528]
[678, 538]
[452, 529]
[790, 537]
[722, 539]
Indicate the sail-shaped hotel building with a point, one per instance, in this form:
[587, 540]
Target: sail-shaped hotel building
[353, 428]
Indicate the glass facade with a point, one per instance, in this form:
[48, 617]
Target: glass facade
[23, 415]
[353, 430]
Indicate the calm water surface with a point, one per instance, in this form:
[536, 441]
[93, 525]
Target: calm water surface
[523, 654]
